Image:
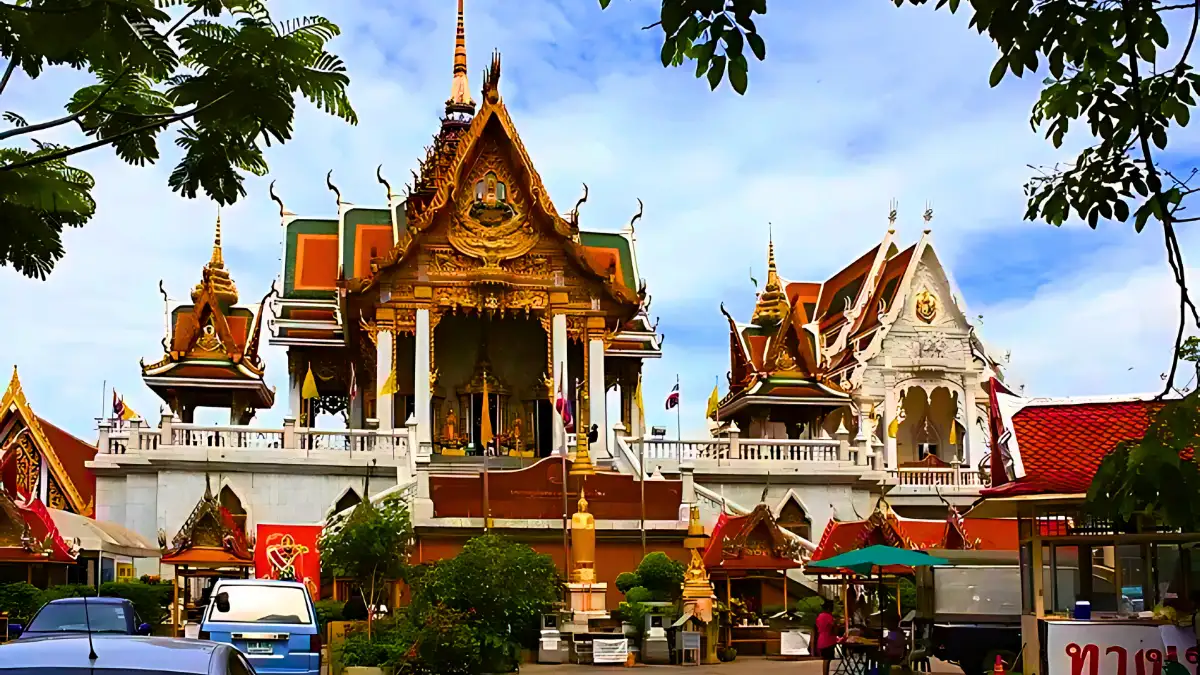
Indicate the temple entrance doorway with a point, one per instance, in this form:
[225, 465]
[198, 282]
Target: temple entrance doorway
[506, 357]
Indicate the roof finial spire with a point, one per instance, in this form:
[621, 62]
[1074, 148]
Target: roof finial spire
[892, 208]
[217, 260]
[214, 276]
[772, 301]
[928, 215]
[460, 92]
[770, 251]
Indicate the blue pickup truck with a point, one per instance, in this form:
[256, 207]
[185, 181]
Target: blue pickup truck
[273, 623]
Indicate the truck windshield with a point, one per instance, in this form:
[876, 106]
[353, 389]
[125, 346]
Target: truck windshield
[250, 603]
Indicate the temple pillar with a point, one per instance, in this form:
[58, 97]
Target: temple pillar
[384, 365]
[422, 381]
[597, 401]
[889, 414]
[637, 425]
[558, 370]
[969, 413]
[295, 383]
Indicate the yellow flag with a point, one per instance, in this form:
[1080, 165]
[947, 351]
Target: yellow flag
[894, 425]
[953, 432]
[309, 390]
[637, 400]
[714, 402]
[485, 425]
[389, 385]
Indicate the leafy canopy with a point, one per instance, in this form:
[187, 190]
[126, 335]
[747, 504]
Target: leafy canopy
[221, 72]
[369, 545]
[1108, 73]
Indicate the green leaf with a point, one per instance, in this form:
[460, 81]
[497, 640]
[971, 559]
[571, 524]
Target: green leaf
[998, 71]
[716, 71]
[757, 45]
[1121, 210]
[1159, 136]
[604, 4]
[1143, 214]
[1183, 115]
[1145, 49]
[668, 51]
[738, 73]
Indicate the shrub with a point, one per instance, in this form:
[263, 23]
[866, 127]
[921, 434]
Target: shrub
[20, 601]
[662, 575]
[639, 594]
[369, 545]
[627, 580]
[67, 591]
[329, 610]
[150, 600]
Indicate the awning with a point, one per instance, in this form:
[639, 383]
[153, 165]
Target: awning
[102, 536]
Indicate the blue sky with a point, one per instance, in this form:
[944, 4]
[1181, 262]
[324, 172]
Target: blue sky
[858, 103]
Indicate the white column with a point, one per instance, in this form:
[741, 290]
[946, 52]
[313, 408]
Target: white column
[889, 414]
[421, 401]
[598, 398]
[558, 352]
[968, 436]
[383, 370]
[295, 382]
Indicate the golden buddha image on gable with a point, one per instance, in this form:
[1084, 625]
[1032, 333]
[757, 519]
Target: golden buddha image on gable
[491, 215]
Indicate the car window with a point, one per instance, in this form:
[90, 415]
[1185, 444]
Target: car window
[238, 665]
[69, 617]
[262, 604]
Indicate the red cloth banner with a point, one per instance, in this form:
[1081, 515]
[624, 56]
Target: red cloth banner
[289, 552]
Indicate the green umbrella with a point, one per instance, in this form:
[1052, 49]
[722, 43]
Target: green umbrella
[865, 560]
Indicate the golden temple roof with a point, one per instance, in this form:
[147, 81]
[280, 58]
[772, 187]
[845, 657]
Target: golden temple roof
[216, 276]
[772, 301]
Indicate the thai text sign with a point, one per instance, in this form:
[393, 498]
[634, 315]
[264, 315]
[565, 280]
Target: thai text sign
[1087, 648]
[610, 651]
[289, 552]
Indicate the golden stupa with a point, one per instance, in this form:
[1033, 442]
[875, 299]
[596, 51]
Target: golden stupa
[698, 593]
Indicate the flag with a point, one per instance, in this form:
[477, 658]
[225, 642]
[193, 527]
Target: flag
[953, 432]
[389, 385]
[563, 406]
[954, 423]
[894, 425]
[637, 400]
[122, 411]
[309, 390]
[714, 402]
[353, 384]
[673, 397]
[485, 425]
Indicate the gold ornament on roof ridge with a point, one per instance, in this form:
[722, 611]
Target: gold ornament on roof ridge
[214, 276]
[772, 301]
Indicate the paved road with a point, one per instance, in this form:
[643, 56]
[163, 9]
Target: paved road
[740, 666]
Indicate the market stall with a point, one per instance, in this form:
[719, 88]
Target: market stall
[747, 560]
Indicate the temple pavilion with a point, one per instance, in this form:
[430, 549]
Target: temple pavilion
[471, 280]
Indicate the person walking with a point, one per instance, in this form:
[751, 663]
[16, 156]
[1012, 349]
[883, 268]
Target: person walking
[826, 635]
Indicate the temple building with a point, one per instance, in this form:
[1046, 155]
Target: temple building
[471, 276]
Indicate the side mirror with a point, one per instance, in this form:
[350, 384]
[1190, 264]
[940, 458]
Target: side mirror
[222, 601]
[143, 629]
[15, 630]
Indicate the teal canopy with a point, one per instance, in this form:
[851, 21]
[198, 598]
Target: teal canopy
[865, 560]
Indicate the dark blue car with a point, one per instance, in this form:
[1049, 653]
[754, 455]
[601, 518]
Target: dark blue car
[71, 654]
[66, 616]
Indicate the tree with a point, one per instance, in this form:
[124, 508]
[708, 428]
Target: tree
[1156, 479]
[227, 87]
[1104, 59]
[369, 545]
[500, 586]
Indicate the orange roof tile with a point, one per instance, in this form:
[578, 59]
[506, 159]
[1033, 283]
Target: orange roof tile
[73, 453]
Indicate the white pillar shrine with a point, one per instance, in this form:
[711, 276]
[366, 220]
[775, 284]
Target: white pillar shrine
[421, 378]
[384, 364]
[598, 399]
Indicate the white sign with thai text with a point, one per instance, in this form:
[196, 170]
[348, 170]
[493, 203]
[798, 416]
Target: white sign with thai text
[1088, 648]
[793, 643]
[610, 651]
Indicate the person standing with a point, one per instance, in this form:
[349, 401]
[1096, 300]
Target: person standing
[826, 635]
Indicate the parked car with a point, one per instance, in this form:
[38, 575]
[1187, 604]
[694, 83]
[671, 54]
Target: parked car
[67, 615]
[70, 654]
[273, 623]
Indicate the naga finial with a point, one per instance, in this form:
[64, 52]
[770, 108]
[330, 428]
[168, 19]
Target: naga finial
[333, 188]
[382, 181]
[928, 215]
[575, 211]
[163, 291]
[637, 216]
[491, 80]
[893, 207]
[275, 198]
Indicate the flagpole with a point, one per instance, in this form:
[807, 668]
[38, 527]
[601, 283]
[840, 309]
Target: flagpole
[103, 398]
[678, 412]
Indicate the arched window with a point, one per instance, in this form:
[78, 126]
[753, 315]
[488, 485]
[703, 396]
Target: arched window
[233, 504]
[479, 191]
[793, 518]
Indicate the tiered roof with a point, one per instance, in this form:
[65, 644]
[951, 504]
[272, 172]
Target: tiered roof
[28, 441]
[751, 542]
[28, 533]
[210, 537]
[1044, 446]
[212, 345]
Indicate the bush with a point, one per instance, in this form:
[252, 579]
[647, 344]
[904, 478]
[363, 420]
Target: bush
[67, 591]
[20, 601]
[662, 575]
[329, 610]
[639, 594]
[627, 580]
[150, 600]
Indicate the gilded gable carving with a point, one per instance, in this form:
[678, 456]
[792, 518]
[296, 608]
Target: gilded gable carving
[491, 212]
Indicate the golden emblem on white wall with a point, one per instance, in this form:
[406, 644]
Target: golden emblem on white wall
[926, 306]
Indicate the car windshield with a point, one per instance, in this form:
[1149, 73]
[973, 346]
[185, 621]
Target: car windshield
[68, 617]
[261, 604]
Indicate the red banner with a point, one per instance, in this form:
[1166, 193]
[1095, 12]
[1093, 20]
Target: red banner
[289, 552]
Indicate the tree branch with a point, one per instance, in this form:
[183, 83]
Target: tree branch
[43, 10]
[41, 159]
[8, 71]
[67, 119]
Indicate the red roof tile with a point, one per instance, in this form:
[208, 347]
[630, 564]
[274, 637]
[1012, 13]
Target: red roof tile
[73, 453]
[1061, 445]
[885, 290]
[985, 534]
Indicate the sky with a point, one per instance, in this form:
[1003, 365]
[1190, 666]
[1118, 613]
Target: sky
[858, 103]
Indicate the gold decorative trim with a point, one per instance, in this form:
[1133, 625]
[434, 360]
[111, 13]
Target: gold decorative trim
[15, 396]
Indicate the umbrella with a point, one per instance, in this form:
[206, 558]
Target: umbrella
[865, 560]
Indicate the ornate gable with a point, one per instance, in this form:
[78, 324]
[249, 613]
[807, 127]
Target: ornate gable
[210, 526]
[27, 441]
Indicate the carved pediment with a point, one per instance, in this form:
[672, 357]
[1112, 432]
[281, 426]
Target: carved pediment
[491, 219]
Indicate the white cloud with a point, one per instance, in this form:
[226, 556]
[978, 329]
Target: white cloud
[851, 110]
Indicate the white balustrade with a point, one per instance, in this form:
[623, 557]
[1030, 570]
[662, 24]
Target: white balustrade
[198, 436]
[923, 478]
[740, 450]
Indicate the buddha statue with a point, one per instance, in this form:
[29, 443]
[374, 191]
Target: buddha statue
[450, 433]
[583, 544]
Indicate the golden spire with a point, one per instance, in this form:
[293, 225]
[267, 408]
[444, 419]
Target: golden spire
[772, 301]
[460, 91]
[215, 276]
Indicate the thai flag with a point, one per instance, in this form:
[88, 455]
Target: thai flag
[563, 406]
[673, 397]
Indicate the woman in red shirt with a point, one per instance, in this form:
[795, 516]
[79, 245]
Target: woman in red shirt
[826, 635]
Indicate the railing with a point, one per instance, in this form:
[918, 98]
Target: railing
[137, 438]
[936, 478]
[752, 450]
